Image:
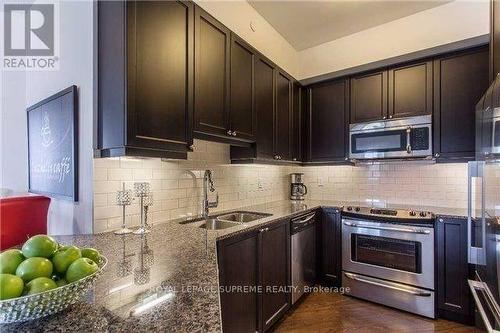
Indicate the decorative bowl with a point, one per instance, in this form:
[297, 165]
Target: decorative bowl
[48, 302]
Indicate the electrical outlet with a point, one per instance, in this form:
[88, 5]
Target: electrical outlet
[259, 184]
[320, 182]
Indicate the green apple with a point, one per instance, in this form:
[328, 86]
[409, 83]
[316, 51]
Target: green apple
[40, 246]
[39, 285]
[9, 260]
[64, 257]
[33, 268]
[61, 282]
[91, 253]
[11, 286]
[80, 268]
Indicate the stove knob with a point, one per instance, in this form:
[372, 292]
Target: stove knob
[349, 208]
[423, 214]
[357, 209]
[412, 213]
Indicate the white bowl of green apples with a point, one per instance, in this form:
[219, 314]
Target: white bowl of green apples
[45, 277]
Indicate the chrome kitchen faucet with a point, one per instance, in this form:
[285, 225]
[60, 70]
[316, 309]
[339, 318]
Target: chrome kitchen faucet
[208, 182]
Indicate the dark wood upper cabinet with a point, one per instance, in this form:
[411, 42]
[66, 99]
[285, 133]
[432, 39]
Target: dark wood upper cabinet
[330, 247]
[369, 97]
[453, 293]
[212, 63]
[145, 96]
[238, 266]
[410, 90]
[460, 79]
[328, 114]
[274, 272]
[242, 115]
[283, 115]
[264, 106]
[494, 40]
[296, 143]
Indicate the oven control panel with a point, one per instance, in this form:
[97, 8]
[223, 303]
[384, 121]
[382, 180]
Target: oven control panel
[395, 215]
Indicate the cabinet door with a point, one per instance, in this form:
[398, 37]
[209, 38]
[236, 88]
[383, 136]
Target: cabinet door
[238, 262]
[460, 79]
[283, 115]
[274, 272]
[369, 97]
[453, 295]
[242, 116]
[410, 90]
[296, 148]
[264, 106]
[211, 94]
[160, 74]
[328, 121]
[331, 244]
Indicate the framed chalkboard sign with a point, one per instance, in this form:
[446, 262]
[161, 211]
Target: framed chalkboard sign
[53, 145]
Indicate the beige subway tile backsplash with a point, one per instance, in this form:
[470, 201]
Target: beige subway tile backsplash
[177, 186]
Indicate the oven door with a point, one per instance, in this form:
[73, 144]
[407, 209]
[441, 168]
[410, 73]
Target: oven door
[387, 251]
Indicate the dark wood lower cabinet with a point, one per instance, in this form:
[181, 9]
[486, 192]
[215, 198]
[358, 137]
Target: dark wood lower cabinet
[330, 246]
[238, 266]
[275, 273]
[259, 258]
[453, 294]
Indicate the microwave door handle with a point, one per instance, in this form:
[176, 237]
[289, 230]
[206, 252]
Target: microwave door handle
[475, 254]
[493, 129]
[408, 140]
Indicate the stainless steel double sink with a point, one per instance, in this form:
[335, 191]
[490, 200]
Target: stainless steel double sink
[232, 219]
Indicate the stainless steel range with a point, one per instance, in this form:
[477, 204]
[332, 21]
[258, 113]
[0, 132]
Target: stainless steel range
[388, 257]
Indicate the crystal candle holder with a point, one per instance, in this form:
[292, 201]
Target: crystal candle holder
[123, 198]
[148, 202]
[142, 190]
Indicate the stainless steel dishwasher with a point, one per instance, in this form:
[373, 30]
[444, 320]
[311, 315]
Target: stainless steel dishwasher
[303, 231]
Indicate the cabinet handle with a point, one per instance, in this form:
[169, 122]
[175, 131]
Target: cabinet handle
[229, 132]
[384, 117]
[264, 230]
[390, 117]
[234, 133]
[440, 220]
[436, 154]
[276, 157]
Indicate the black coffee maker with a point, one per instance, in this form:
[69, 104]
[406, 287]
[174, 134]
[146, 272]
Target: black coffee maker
[297, 188]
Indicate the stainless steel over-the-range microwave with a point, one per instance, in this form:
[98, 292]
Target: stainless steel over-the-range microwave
[395, 138]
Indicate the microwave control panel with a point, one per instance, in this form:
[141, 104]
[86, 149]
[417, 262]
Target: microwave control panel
[419, 139]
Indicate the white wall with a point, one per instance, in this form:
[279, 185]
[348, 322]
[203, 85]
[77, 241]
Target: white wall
[237, 15]
[22, 89]
[441, 25]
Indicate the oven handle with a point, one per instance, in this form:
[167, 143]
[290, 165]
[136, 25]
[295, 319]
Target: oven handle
[412, 231]
[380, 284]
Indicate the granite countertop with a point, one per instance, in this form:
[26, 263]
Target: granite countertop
[166, 280]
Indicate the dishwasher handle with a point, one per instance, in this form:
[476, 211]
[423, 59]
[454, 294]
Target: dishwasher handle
[301, 222]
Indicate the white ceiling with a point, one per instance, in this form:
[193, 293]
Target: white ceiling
[305, 24]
